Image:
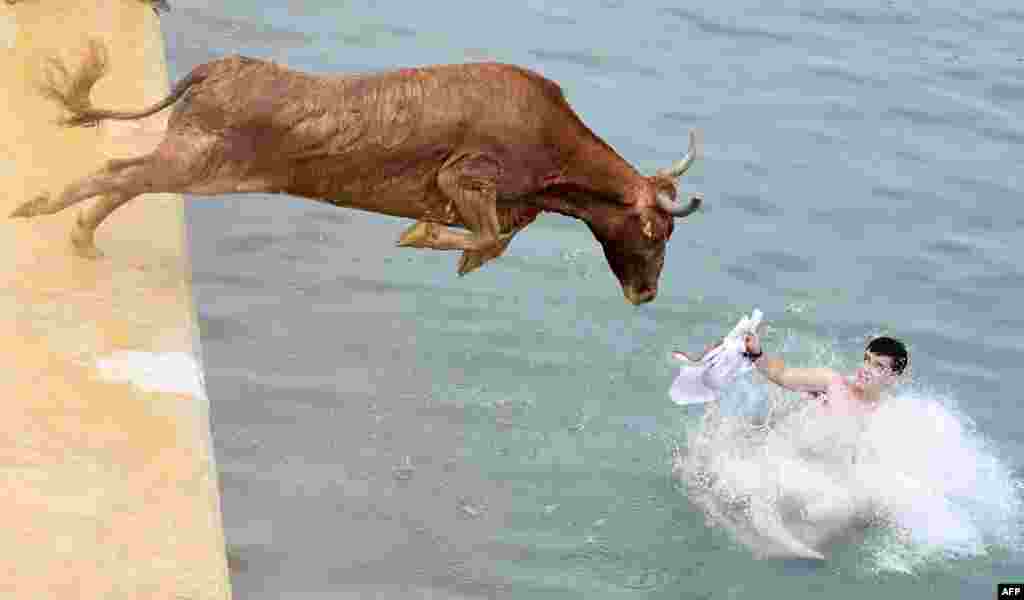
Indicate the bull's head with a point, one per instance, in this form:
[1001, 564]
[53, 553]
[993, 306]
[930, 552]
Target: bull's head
[634, 236]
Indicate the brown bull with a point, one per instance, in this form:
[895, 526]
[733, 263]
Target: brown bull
[484, 147]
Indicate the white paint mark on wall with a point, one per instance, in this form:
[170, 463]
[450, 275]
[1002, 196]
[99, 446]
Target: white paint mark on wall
[8, 30]
[171, 372]
[7, 168]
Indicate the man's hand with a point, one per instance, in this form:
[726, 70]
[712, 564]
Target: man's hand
[751, 343]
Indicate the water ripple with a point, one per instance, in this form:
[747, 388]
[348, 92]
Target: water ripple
[230, 280]
[1006, 91]
[1014, 15]
[217, 328]
[752, 204]
[726, 30]
[951, 248]
[920, 116]
[964, 74]
[893, 194]
[784, 261]
[846, 74]
[204, 24]
[744, 274]
[1007, 135]
[680, 119]
[987, 189]
[998, 282]
[593, 61]
[848, 16]
[246, 244]
[374, 35]
[552, 14]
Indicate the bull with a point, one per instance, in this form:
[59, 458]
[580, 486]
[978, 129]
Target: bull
[471, 152]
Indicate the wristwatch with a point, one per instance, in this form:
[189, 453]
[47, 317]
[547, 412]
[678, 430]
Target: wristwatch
[752, 356]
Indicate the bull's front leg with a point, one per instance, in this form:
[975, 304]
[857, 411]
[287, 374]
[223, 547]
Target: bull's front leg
[424, 234]
[470, 182]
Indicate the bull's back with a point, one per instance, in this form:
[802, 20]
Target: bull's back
[471, 103]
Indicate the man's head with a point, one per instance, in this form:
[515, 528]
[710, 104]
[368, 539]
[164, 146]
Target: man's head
[885, 359]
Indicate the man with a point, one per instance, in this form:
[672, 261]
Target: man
[831, 502]
[885, 359]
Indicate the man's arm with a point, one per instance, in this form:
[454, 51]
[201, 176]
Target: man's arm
[773, 367]
[798, 380]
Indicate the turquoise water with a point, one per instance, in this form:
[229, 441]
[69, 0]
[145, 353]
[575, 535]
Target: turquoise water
[861, 174]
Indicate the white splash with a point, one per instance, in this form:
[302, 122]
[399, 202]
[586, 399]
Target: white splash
[169, 372]
[945, 489]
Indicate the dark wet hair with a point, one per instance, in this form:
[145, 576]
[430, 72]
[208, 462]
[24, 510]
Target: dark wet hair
[887, 346]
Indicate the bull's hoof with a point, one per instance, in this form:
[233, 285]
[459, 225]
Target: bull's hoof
[470, 261]
[87, 251]
[417, 236]
[32, 208]
[83, 246]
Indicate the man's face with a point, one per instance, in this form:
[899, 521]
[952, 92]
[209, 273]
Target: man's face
[877, 370]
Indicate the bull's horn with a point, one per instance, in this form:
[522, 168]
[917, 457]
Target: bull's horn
[677, 208]
[692, 154]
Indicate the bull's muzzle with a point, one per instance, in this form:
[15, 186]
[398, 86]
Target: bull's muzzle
[638, 297]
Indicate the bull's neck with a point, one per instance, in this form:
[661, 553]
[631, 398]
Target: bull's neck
[598, 168]
[594, 177]
[577, 202]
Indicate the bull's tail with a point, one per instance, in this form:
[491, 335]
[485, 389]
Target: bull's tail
[71, 90]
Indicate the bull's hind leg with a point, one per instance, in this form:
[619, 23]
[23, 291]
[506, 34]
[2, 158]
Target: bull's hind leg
[116, 183]
[100, 182]
[177, 166]
[84, 230]
[113, 183]
[471, 183]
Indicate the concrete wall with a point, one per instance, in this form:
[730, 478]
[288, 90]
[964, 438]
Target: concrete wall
[109, 487]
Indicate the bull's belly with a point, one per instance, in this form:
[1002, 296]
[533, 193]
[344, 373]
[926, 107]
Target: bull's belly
[417, 199]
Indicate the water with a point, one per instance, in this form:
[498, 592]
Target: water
[385, 428]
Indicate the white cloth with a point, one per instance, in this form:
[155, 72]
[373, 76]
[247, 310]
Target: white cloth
[698, 382]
